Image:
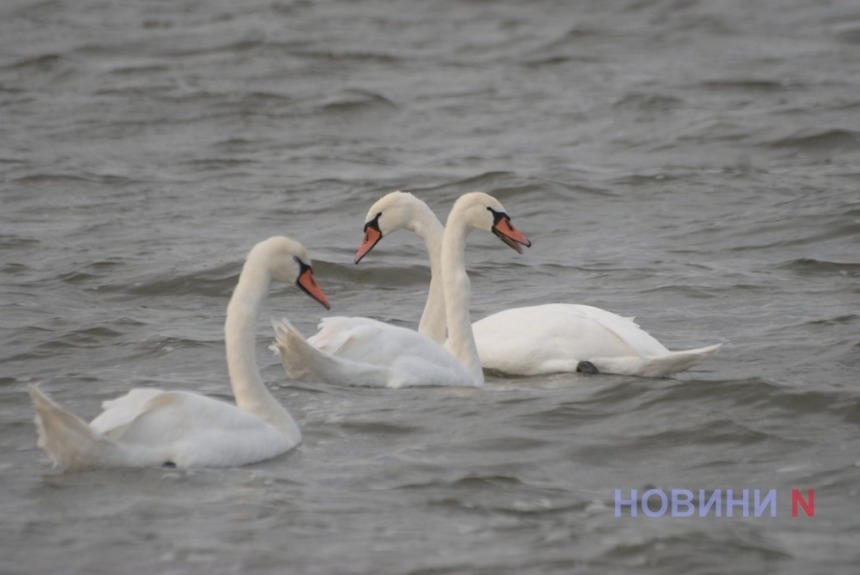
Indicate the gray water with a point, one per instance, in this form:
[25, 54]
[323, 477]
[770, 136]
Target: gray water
[694, 164]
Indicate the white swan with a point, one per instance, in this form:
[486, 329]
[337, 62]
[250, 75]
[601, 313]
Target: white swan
[534, 340]
[361, 351]
[149, 427]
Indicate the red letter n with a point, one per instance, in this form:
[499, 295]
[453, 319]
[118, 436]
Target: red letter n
[807, 504]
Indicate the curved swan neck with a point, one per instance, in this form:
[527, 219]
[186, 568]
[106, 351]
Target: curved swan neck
[430, 230]
[240, 330]
[457, 294]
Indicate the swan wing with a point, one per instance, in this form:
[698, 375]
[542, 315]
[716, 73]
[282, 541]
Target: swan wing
[192, 430]
[367, 352]
[376, 342]
[611, 330]
[358, 337]
[118, 413]
[555, 337]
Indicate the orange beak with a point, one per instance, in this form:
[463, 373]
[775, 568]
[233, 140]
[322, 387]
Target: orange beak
[506, 232]
[372, 235]
[309, 286]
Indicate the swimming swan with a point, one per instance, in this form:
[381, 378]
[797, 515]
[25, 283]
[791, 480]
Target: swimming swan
[362, 351]
[148, 427]
[533, 340]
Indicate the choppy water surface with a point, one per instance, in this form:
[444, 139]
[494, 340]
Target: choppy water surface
[692, 163]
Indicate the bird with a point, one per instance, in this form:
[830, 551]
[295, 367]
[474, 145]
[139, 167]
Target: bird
[363, 351]
[531, 340]
[152, 427]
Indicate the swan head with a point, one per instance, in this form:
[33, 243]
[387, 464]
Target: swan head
[482, 211]
[287, 262]
[392, 212]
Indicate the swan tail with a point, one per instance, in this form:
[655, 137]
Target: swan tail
[67, 439]
[302, 360]
[677, 361]
[293, 349]
[658, 366]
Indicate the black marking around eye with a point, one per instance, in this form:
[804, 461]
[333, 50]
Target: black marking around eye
[374, 223]
[498, 216]
[303, 267]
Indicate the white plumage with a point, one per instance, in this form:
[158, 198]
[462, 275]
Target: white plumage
[532, 340]
[362, 351]
[148, 427]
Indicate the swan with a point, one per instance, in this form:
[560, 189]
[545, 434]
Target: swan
[362, 351]
[534, 340]
[148, 427]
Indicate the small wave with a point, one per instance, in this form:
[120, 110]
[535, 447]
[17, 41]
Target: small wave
[86, 338]
[470, 481]
[8, 241]
[662, 176]
[767, 397]
[379, 428]
[504, 444]
[569, 47]
[503, 185]
[697, 291]
[157, 346]
[42, 63]
[564, 416]
[830, 140]
[351, 101]
[217, 281]
[647, 103]
[62, 178]
[754, 85]
[815, 267]
[643, 546]
[485, 180]
[217, 163]
[837, 320]
[84, 274]
[362, 56]
[850, 34]
[367, 274]
[503, 493]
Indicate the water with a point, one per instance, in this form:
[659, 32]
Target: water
[694, 164]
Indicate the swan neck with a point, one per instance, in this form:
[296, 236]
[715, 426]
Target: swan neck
[430, 229]
[457, 294]
[240, 330]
